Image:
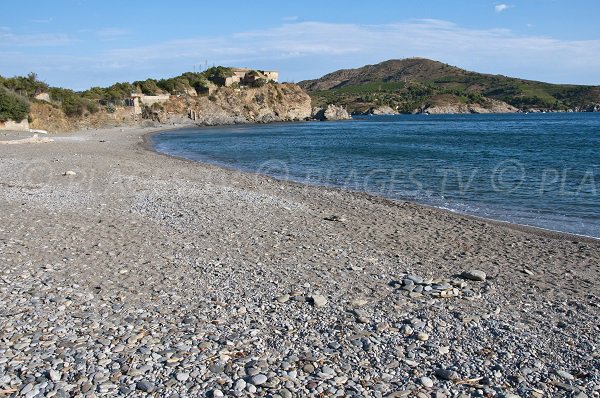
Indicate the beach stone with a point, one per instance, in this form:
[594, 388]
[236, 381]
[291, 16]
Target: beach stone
[216, 393]
[407, 330]
[565, 375]
[446, 374]
[182, 376]
[566, 387]
[318, 300]
[251, 388]
[258, 379]
[55, 375]
[69, 173]
[358, 303]
[361, 316]
[240, 385]
[399, 394]
[284, 298]
[415, 278]
[426, 381]
[145, 386]
[474, 275]
[285, 393]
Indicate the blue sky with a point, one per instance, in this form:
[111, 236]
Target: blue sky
[83, 43]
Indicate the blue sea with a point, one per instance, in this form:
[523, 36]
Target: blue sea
[540, 170]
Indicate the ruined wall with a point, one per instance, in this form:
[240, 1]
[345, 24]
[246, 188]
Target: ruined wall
[23, 125]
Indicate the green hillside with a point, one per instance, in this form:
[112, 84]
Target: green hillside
[412, 84]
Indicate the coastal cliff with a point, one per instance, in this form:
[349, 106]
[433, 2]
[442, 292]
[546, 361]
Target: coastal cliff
[269, 103]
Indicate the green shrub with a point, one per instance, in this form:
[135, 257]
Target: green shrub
[26, 86]
[148, 87]
[12, 107]
[72, 103]
[259, 82]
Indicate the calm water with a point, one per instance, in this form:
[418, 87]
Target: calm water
[541, 170]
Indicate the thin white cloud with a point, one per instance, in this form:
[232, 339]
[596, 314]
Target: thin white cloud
[319, 45]
[34, 40]
[502, 7]
[310, 49]
[292, 18]
[42, 21]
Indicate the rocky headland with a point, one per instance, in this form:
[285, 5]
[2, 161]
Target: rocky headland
[269, 103]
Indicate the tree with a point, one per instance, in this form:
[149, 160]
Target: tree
[148, 87]
[26, 86]
[12, 107]
[217, 74]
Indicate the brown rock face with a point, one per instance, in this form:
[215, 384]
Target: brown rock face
[489, 106]
[332, 112]
[269, 103]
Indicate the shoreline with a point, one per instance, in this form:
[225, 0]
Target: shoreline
[164, 276]
[544, 232]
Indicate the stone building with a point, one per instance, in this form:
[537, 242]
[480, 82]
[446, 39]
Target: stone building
[149, 100]
[244, 76]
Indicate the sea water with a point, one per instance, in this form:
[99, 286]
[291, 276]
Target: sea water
[541, 170]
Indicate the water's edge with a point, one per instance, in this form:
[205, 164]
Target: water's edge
[148, 144]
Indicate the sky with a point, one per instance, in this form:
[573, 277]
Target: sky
[83, 43]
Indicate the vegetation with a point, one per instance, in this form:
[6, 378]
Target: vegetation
[16, 92]
[217, 73]
[413, 83]
[72, 103]
[12, 106]
[27, 86]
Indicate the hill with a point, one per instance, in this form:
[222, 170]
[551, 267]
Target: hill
[191, 98]
[417, 85]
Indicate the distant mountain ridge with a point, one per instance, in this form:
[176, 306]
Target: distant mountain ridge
[416, 85]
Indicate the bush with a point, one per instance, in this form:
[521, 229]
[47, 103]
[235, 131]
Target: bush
[148, 87]
[259, 82]
[72, 103]
[26, 86]
[12, 107]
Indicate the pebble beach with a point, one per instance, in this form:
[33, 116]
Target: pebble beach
[124, 272]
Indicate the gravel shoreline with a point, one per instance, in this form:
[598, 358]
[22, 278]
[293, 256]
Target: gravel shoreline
[140, 273]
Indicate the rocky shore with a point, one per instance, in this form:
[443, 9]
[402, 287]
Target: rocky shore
[129, 273]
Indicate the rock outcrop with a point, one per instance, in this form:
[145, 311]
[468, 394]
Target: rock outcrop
[269, 103]
[382, 110]
[332, 112]
[490, 106]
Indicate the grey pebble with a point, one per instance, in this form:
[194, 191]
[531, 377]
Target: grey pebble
[258, 379]
[474, 275]
[146, 386]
